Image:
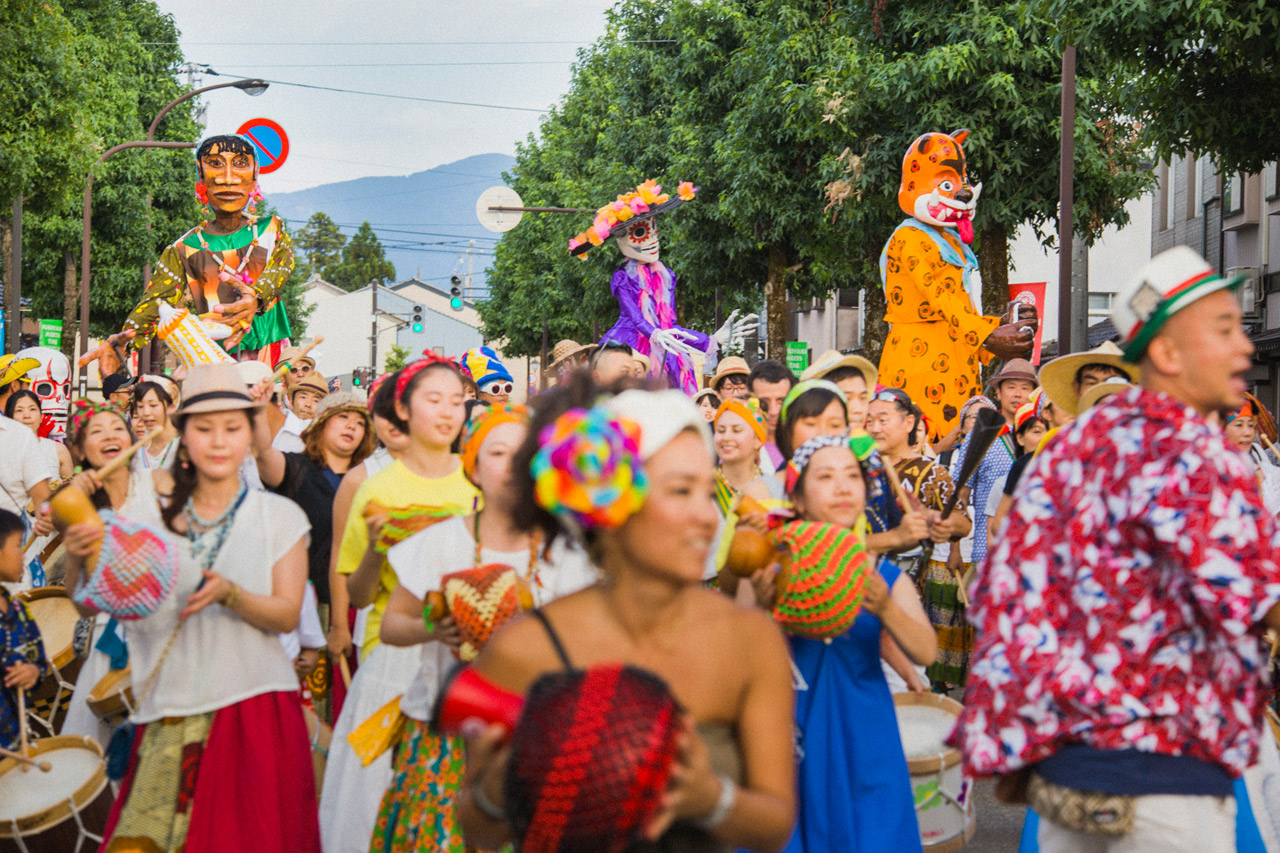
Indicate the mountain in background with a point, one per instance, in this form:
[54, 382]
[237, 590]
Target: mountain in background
[424, 220]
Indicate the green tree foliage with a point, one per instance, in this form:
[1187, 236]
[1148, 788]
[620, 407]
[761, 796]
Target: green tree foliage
[1200, 75]
[793, 117]
[397, 357]
[319, 244]
[123, 55]
[362, 262]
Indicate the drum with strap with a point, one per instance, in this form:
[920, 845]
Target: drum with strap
[111, 699]
[943, 795]
[62, 811]
[56, 617]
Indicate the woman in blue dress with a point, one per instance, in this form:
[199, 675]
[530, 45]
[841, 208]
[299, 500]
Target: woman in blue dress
[855, 792]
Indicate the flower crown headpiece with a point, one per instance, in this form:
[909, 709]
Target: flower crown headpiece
[83, 411]
[647, 201]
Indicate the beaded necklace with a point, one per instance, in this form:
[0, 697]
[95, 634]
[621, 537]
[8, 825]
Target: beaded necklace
[205, 548]
[533, 573]
[225, 272]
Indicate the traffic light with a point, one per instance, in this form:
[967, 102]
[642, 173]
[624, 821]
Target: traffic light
[417, 320]
[361, 377]
[455, 293]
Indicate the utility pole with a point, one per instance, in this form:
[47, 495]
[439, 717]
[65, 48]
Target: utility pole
[471, 267]
[1066, 197]
[373, 322]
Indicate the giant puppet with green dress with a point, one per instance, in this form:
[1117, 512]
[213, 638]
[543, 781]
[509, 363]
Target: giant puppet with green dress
[229, 269]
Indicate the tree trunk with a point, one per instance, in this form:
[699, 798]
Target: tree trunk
[993, 263]
[70, 304]
[775, 294]
[6, 258]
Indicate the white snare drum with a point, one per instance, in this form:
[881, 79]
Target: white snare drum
[62, 811]
[942, 794]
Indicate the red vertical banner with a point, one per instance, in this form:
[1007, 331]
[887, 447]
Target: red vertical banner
[1031, 294]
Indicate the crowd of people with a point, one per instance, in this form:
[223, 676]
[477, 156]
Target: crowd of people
[1095, 591]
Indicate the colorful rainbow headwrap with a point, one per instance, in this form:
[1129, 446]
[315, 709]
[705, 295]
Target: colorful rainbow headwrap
[749, 411]
[412, 370]
[809, 385]
[483, 365]
[1038, 401]
[1246, 411]
[82, 411]
[479, 428]
[863, 447]
[588, 470]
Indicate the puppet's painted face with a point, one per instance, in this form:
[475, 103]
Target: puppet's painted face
[935, 183]
[229, 177]
[640, 241]
[51, 382]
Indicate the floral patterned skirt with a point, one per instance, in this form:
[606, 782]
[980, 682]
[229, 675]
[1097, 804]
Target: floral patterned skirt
[941, 596]
[417, 810]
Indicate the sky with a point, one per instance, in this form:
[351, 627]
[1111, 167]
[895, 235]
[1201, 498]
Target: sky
[511, 54]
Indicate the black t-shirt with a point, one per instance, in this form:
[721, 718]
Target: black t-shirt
[1016, 470]
[313, 488]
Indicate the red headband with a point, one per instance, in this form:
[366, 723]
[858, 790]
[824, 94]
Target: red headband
[430, 359]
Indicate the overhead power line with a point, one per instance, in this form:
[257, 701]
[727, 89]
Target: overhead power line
[386, 43]
[391, 64]
[395, 97]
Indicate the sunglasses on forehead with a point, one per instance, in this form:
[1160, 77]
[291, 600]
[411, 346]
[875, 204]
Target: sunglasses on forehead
[892, 395]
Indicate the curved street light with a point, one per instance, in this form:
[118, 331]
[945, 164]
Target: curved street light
[252, 86]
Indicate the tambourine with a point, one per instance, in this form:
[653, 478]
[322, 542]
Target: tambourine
[480, 600]
[819, 587]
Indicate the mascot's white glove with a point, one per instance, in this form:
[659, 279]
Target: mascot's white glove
[670, 340]
[734, 330]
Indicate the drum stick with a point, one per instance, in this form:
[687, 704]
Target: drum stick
[283, 366]
[22, 759]
[120, 461]
[22, 728]
[898, 492]
[345, 669]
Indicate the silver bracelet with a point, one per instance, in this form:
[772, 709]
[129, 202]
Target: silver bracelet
[486, 806]
[720, 813]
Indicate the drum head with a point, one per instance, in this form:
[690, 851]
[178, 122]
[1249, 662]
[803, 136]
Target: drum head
[35, 800]
[924, 721]
[56, 617]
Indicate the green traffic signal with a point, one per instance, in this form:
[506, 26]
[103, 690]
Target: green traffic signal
[456, 303]
[417, 328]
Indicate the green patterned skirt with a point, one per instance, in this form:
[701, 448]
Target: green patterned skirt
[941, 595]
[417, 810]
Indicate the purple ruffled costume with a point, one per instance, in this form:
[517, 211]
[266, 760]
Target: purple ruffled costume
[646, 297]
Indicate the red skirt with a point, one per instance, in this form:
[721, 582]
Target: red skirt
[252, 786]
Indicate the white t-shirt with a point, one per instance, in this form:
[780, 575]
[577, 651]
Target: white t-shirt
[166, 458]
[308, 634]
[217, 658]
[49, 448]
[377, 460]
[289, 438]
[22, 465]
[424, 558]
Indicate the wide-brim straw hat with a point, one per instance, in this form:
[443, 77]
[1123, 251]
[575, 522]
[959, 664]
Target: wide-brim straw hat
[1058, 377]
[215, 388]
[1103, 390]
[334, 404]
[292, 354]
[568, 349]
[834, 360]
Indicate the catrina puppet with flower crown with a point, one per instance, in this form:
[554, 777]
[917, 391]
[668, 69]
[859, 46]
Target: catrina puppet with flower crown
[229, 269]
[645, 288]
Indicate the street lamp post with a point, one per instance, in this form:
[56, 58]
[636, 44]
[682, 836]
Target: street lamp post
[251, 87]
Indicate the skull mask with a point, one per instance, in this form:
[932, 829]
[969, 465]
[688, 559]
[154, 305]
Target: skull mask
[51, 382]
[640, 241]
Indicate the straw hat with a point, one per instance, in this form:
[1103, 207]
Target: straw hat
[290, 354]
[834, 359]
[253, 371]
[1058, 376]
[313, 382]
[335, 404]
[567, 349]
[215, 388]
[731, 366]
[1103, 390]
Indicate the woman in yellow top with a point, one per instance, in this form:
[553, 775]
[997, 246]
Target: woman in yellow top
[429, 405]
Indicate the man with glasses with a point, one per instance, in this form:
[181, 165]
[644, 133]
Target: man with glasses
[299, 368]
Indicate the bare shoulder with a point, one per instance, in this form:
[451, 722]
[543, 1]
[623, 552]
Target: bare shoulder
[517, 654]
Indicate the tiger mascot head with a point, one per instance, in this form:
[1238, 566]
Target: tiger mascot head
[935, 183]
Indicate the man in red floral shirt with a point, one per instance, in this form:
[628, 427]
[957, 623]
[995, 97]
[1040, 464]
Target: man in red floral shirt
[1119, 657]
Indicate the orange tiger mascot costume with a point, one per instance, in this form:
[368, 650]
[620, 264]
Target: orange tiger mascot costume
[935, 345]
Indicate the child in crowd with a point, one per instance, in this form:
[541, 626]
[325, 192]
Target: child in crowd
[22, 659]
